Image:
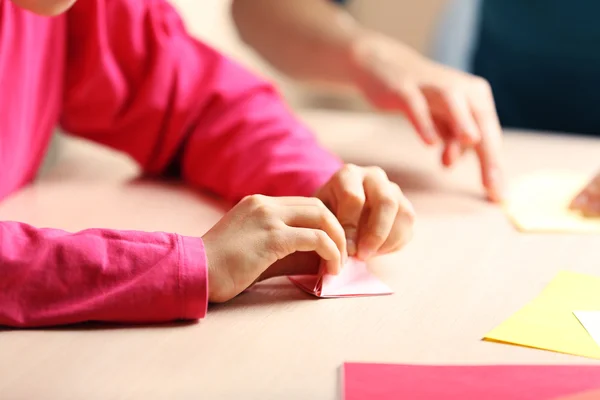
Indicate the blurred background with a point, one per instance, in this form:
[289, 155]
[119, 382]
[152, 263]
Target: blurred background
[440, 29]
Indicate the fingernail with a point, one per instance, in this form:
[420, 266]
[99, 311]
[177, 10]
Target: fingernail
[365, 254]
[494, 184]
[452, 154]
[579, 201]
[351, 246]
[591, 209]
[430, 136]
[469, 137]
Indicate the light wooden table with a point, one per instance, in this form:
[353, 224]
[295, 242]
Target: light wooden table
[465, 272]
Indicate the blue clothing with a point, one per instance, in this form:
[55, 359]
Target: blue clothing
[542, 58]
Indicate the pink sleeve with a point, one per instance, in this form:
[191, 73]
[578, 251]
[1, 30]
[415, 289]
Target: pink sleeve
[51, 277]
[138, 82]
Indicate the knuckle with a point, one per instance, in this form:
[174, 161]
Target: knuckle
[352, 199]
[452, 94]
[377, 236]
[408, 219]
[388, 198]
[405, 89]
[326, 218]
[349, 169]
[396, 189]
[378, 171]
[263, 210]
[253, 200]
[278, 246]
[410, 216]
[319, 204]
[265, 214]
[481, 85]
[320, 237]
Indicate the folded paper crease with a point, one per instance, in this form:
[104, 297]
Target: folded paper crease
[354, 280]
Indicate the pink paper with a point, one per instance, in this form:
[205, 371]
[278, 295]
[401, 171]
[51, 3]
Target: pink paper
[354, 280]
[589, 395]
[490, 382]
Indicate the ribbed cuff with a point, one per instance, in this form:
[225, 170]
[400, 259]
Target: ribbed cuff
[193, 278]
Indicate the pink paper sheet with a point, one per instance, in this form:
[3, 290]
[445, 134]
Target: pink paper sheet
[489, 382]
[354, 280]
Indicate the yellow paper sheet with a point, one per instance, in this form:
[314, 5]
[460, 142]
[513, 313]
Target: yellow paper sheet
[540, 203]
[548, 322]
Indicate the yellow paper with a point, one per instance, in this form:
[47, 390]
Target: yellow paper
[540, 203]
[548, 322]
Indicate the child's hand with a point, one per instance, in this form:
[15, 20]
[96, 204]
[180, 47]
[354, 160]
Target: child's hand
[375, 215]
[261, 230]
[588, 200]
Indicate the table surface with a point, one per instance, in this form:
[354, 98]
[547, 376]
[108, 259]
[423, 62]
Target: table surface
[465, 272]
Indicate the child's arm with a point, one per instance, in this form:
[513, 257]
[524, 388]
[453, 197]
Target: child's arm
[51, 277]
[137, 82]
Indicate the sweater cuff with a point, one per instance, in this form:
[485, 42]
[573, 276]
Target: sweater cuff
[193, 278]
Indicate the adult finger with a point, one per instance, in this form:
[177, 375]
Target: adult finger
[461, 120]
[452, 151]
[418, 112]
[489, 148]
[451, 146]
[588, 200]
[382, 202]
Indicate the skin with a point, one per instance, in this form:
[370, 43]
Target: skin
[446, 107]
[358, 212]
[588, 200]
[45, 7]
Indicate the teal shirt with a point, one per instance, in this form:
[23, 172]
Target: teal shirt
[542, 58]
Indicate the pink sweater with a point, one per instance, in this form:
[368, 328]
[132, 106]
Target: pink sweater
[126, 74]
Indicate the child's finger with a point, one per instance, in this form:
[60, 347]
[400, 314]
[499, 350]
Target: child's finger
[402, 230]
[315, 216]
[383, 204]
[349, 194]
[306, 239]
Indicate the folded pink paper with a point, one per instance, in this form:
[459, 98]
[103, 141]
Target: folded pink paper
[354, 280]
[365, 381]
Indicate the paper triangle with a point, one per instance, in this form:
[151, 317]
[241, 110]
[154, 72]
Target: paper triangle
[354, 280]
[591, 322]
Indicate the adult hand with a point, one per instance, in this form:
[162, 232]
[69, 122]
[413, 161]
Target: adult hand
[259, 231]
[588, 200]
[375, 215]
[444, 105]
